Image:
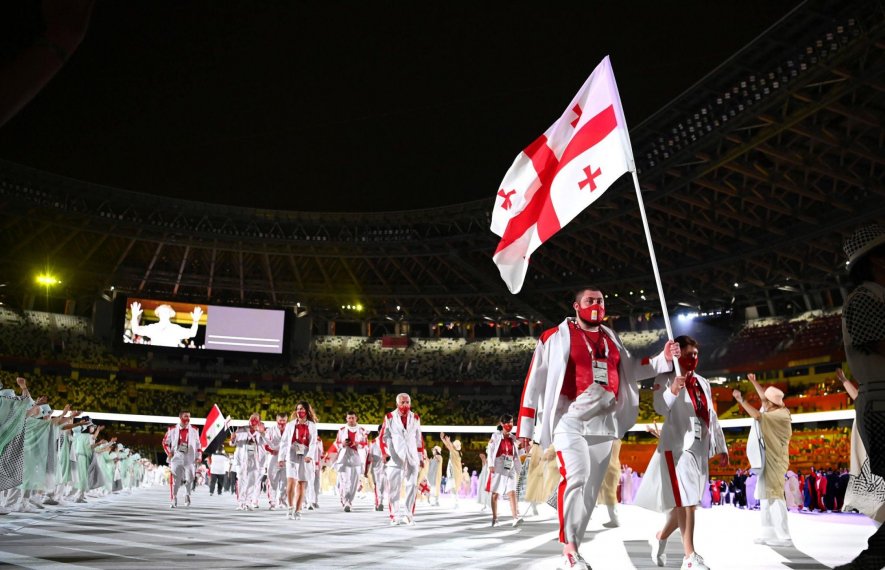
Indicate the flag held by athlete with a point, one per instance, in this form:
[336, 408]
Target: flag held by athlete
[561, 173]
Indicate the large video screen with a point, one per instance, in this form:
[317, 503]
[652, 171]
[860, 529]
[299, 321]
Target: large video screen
[174, 324]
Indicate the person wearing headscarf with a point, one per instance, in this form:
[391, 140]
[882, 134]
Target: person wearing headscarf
[863, 331]
[13, 410]
[775, 425]
[38, 474]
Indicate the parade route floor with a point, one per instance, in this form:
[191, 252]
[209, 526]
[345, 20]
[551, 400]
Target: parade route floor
[139, 530]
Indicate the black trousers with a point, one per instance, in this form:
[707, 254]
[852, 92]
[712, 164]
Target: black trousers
[216, 481]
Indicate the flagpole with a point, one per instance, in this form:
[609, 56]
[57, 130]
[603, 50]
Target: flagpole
[654, 262]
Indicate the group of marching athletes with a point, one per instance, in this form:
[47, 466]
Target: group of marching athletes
[581, 395]
[288, 457]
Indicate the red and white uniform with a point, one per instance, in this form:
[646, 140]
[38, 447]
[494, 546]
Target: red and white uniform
[379, 476]
[276, 475]
[251, 457]
[352, 444]
[504, 454]
[401, 439]
[581, 416]
[182, 445]
[678, 472]
[298, 442]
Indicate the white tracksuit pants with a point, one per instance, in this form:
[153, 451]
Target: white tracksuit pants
[276, 481]
[249, 480]
[183, 472]
[398, 473]
[583, 460]
[348, 482]
[382, 490]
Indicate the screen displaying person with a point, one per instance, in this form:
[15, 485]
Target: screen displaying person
[164, 332]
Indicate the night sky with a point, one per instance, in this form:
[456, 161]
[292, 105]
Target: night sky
[368, 106]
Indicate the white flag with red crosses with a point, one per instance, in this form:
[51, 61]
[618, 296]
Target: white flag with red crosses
[565, 170]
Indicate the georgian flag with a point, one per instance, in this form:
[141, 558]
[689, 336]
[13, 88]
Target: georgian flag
[214, 431]
[565, 170]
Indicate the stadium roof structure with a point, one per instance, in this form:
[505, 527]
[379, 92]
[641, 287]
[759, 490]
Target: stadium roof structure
[751, 179]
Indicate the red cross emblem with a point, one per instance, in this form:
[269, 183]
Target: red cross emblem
[577, 111]
[591, 178]
[506, 204]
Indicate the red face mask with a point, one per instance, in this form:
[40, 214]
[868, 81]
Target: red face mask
[253, 423]
[594, 314]
[302, 414]
[507, 427]
[688, 363]
[404, 409]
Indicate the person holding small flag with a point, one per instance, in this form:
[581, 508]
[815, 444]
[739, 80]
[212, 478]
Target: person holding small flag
[678, 472]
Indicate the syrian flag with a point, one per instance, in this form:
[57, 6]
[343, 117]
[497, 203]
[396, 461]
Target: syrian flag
[214, 431]
[565, 170]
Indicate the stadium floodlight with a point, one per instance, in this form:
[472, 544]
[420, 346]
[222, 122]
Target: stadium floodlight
[47, 279]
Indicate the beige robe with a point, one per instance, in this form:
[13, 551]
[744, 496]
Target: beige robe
[777, 428]
[534, 483]
[608, 494]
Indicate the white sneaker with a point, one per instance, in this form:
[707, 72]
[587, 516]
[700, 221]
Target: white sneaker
[779, 542]
[290, 514]
[394, 522]
[658, 551]
[407, 520]
[272, 507]
[241, 507]
[573, 562]
[694, 562]
[297, 516]
[187, 501]
[516, 522]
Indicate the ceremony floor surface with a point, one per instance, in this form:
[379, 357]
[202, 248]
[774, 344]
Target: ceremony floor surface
[139, 530]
